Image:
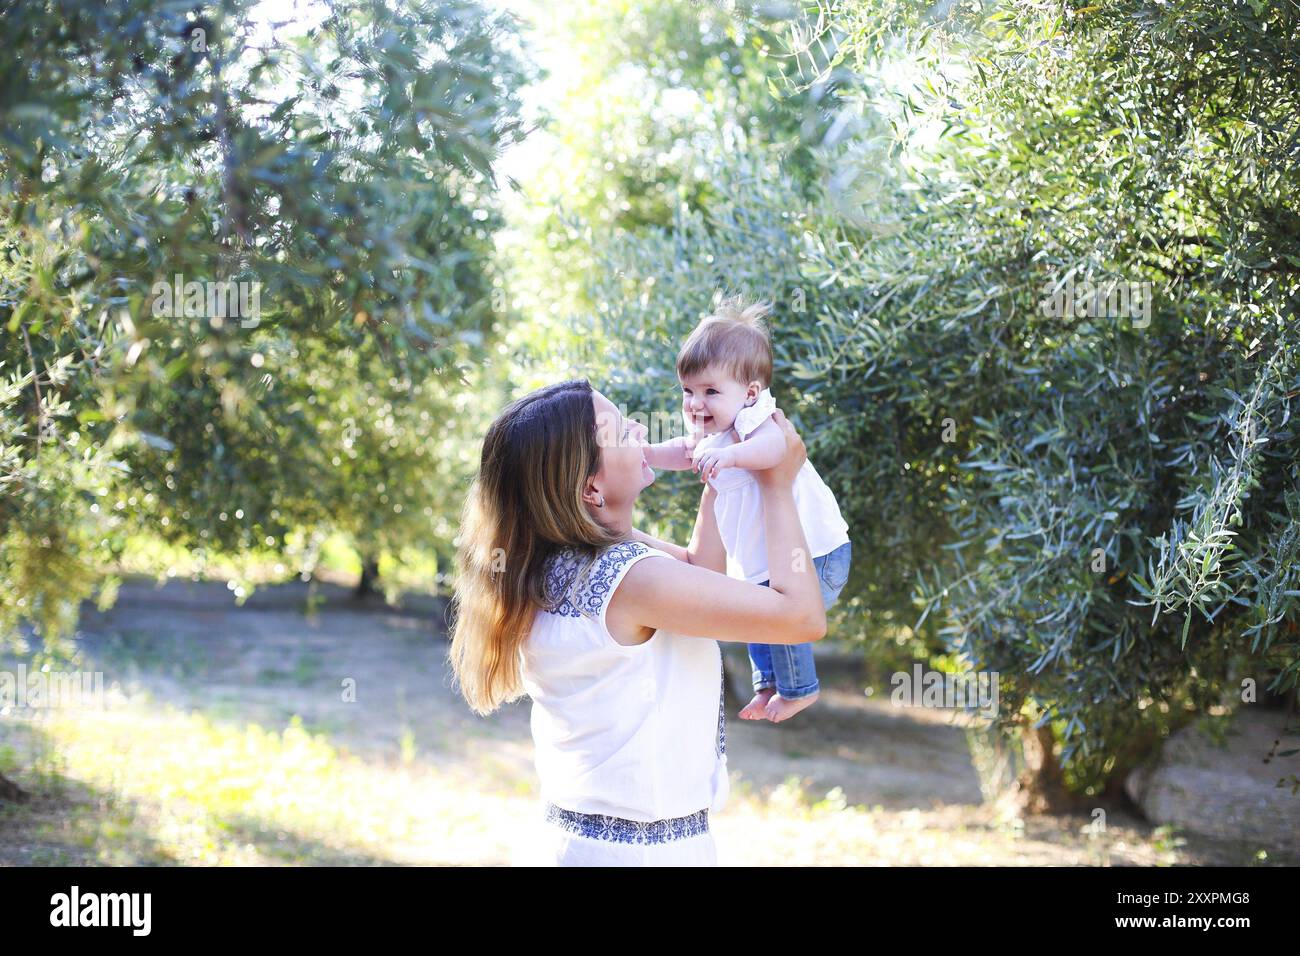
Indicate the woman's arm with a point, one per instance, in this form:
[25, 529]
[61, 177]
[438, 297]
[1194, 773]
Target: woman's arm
[706, 549]
[689, 600]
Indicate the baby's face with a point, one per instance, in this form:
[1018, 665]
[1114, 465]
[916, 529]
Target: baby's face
[711, 399]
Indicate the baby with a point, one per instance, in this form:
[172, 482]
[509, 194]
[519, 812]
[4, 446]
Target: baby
[725, 370]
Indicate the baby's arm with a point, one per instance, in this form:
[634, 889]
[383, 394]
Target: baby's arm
[671, 455]
[763, 449]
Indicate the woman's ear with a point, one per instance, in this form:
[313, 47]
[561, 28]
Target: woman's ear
[592, 495]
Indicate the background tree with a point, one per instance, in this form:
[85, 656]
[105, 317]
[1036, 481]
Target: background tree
[1099, 504]
[346, 166]
[1097, 499]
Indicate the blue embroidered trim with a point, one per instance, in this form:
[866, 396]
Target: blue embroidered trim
[722, 724]
[561, 570]
[599, 826]
[577, 585]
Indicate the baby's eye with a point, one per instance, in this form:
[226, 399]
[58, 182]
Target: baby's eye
[713, 391]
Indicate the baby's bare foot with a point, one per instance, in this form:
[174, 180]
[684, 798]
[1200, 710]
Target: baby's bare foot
[779, 709]
[754, 709]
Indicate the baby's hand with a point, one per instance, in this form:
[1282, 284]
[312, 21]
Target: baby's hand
[710, 462]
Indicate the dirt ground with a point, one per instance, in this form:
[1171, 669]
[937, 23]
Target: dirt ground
[406, 773]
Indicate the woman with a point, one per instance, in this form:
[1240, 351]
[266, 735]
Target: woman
[613, 633]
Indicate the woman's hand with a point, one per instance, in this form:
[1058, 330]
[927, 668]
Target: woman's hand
[697, 598]
[783, 473]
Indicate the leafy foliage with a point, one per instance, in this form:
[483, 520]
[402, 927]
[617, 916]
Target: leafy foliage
[345, 168]
[1097, 503]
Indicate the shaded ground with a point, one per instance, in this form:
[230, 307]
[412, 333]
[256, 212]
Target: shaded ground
[228, 737]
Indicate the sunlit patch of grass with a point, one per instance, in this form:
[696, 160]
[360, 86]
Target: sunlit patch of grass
[138, 783]
[408, 749]
[799, 827]
[8, 759]
[1167, 838]
[135, 785]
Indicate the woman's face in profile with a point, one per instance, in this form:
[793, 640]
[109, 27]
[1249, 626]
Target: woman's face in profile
[623, 468]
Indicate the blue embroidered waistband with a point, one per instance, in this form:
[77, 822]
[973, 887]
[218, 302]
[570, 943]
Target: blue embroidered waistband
[598, 826]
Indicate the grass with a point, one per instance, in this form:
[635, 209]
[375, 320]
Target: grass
[306, 670]
[133, 650]
[210, 758]
[138, 786]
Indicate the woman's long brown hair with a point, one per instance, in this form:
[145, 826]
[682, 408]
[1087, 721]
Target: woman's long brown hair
[525, 504]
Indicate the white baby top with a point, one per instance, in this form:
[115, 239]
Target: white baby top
[629, 731]
[739, 503]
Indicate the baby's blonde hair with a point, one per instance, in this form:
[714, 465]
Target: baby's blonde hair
[734, 338]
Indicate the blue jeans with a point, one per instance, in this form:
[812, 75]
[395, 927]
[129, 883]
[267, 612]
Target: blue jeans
[789, 667]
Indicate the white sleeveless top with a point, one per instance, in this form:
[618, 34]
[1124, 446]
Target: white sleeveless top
[635, 732]
[739, 504]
